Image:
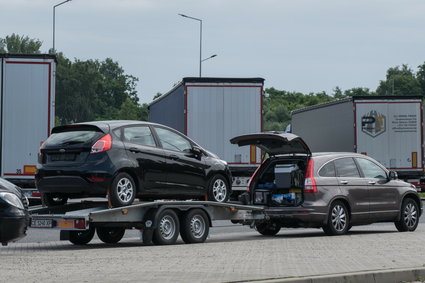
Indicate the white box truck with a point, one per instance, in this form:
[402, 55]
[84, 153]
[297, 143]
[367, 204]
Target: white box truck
[387, 128]
[211, 111]
[27, 95]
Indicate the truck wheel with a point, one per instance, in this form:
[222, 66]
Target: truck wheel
[81, 237]
[195, 226]
[338, 221]
[110, 235]
[167, 228]
[219, 189]
[52, 200]
[409, 216]
[268, 228]
[123, 190]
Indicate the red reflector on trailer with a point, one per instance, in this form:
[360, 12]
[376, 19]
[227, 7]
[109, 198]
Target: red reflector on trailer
[96, 179]
[36, 194]
[80, 224]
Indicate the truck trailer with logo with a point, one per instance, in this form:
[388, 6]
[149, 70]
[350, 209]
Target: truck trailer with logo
[387, 128]
[211, 111]
[27, 92]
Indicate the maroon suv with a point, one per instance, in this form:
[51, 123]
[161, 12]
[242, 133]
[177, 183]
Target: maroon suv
[333, 191]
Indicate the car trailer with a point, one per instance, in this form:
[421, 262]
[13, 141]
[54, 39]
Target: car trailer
[160, 222]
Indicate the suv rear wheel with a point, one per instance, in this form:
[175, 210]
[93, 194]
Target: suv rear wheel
[123, 190]
[338, 219]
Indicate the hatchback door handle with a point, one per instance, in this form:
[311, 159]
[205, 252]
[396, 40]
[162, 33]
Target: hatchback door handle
[344, 182]
[174, 157]
[135, 150]
[372, 182]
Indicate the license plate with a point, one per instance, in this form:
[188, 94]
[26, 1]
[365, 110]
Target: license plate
[41, 223]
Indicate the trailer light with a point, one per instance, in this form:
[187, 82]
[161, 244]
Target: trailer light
[124, 211]
[65, 224]
[233, 209]
[103, 144]
[80, 224]
[29, 169]
[36, 194]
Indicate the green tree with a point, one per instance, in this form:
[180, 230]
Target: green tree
[19, 45]
[399, 81]
[358, 91]
[420, 76]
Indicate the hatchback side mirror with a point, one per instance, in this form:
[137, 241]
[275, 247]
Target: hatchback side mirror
[196, 150]
[392, 175]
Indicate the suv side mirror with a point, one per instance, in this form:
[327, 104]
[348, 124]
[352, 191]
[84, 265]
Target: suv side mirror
[392, 175]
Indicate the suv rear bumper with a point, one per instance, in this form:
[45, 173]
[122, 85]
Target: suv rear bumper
[297, 216]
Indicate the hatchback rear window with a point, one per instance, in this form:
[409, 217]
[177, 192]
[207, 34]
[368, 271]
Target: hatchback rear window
[72, 137]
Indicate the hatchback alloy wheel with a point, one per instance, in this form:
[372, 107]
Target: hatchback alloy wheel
[125, 189]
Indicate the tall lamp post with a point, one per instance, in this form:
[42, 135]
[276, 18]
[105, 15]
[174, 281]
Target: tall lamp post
[200, 41]
[54, 8]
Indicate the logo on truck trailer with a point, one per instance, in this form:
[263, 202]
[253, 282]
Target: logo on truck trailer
[373, 123]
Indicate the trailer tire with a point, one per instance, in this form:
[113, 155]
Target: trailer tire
[218, 189]
[167, 228]
[268, 228]
[81, 237]
[49, 200]
[110, 235]
[195, 226]
[123, 190]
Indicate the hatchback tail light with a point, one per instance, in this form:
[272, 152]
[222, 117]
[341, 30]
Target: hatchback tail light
[103, 144]
[310, 183]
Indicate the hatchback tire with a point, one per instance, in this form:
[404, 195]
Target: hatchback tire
[219, 189]
[338, 222]
[123, 190]
[49, 200]
[409, 216]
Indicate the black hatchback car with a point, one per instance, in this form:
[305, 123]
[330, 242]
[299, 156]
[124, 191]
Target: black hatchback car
[329, 190]
[14, 217]
[125, 160]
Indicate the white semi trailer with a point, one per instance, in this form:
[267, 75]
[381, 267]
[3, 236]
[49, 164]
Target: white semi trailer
[211, 111]
[387, 128]
[27, 114]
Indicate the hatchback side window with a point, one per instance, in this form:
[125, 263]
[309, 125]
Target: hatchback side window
[139, 135]
[173, 141]
[370, 169]
[328, 170]
[346, 167]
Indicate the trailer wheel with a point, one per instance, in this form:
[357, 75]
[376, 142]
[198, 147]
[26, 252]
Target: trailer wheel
[110, 235]
[52, 200]
[123, 190]
[268, 228]
[167, 229]
[219, 189]
[81, 237]
[195, 226]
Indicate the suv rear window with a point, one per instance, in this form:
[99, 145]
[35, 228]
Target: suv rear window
[72, 137]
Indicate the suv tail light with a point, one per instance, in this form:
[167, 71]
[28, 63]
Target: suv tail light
[310, 183]
[103, 144]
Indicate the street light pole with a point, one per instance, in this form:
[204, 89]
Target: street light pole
[200, 41]
[54, 12]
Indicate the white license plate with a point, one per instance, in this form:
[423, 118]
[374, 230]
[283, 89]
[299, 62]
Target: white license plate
[41, 223]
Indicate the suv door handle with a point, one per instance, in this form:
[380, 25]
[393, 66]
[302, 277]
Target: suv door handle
[344, 182]
[372, 182]
[134, 149]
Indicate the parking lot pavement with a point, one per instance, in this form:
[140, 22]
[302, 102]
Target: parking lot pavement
[225, 257]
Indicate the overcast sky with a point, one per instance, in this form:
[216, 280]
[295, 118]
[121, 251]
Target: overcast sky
[295, 45]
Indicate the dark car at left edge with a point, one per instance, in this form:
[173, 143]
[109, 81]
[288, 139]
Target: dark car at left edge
[14, 217]
[125, 160]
